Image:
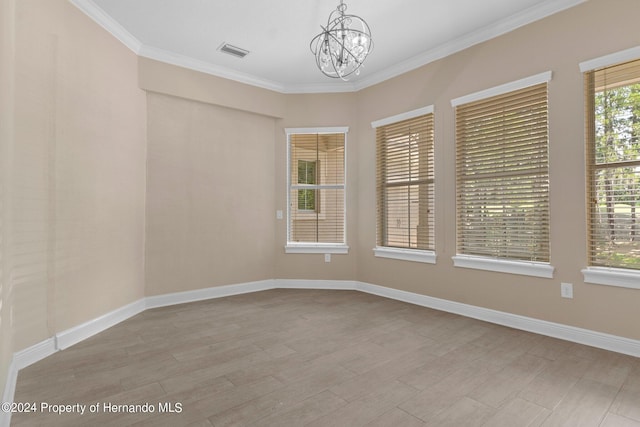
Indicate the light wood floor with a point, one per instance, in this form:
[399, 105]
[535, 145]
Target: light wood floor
[331, 358]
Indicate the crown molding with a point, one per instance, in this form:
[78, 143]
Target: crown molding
[89, 8]
[208, 68]
[499, 28]
[489, 32]
[338, 87]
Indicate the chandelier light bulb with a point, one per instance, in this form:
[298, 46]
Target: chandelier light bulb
[343, 45]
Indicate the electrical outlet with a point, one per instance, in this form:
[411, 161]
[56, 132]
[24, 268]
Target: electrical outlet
[566, 290]
[279, 214]
[327, 257]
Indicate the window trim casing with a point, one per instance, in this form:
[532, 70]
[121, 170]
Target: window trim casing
[429, 109]
[405, 254]
[315, 247]
[610, 276]
[524, 268]
[610, 59]
[503, 89]
[476, 262]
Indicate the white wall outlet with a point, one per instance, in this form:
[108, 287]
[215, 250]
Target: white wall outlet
[279, 214]
[566, 290]
[327, 257]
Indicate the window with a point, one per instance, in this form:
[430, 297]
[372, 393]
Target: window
[405, 185]
[307, 175]
[316, 196]
[612, 99]
[502, 178]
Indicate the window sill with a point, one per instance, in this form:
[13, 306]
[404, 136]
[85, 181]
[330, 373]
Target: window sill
[309, 217]
[612, 277]
[525, 268]
[415, 255]
[316, 248]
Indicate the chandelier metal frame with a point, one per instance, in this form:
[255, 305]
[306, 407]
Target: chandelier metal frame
[343, 45]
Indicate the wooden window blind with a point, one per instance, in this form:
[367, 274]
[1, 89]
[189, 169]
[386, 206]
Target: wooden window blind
[502, 175]
[405, 183]
[612, 96]
[317, 190]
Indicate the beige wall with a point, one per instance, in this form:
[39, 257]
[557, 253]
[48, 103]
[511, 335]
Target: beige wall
[194, 124]
[78, 177]
[210, 208]
[558, 43]
[169, 79]
[7, 52]
[210, 170]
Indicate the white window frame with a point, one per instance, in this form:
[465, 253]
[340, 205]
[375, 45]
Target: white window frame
[405, 254]
[314, 247]
[525, 268]
[312, 215]
[316, 205]
[619, 277]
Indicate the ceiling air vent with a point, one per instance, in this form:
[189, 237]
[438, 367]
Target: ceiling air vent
[233, 50]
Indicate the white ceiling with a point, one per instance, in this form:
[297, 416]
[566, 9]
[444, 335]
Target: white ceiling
[406, 34]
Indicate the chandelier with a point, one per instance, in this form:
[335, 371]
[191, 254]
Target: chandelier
[343, 45]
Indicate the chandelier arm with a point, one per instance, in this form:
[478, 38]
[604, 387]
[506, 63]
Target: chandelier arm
[319, 62]
[345, 49]
[317, 53]
[315, 39]
[359, 32]
[333, 20]
[336, 70]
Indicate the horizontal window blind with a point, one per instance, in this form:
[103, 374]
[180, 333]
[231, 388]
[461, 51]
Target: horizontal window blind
[316, 192]
[613, 153]
[503, 176]
[405, 183]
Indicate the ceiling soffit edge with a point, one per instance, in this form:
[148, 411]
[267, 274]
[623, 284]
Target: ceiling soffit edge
[504, 26]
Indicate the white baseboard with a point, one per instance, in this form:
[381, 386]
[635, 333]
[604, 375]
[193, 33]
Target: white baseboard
[207, 293]
[542, 327]
[9, 390]
[348, 285]
[81, 332]
[21, 359]
[35, 353]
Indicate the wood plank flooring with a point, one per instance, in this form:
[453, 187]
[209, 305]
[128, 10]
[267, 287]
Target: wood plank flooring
[329, 358]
